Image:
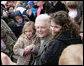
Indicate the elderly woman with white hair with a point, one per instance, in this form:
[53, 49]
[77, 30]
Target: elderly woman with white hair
[42, 25]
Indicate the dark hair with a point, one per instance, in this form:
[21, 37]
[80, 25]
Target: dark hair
[72, 4]
[61, 18]
[10, 7]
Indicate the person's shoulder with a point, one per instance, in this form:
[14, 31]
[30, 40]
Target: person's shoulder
[70, 53]
[54, 42]
[22, 36]
[3, 22]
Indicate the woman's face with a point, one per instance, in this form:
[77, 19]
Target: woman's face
[29, 32]
[11, 10]
[42, 29]
[55, 28]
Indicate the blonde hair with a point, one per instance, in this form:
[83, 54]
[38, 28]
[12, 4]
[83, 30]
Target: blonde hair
[72, 55]
[27, 24]
[72, 4]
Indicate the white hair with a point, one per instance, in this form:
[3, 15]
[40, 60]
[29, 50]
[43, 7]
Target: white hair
[41, 17]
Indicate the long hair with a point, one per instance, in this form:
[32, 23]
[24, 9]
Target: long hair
[27, 24]
[61, 18]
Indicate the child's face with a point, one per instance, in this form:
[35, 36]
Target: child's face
[18, 19]
[29, 32]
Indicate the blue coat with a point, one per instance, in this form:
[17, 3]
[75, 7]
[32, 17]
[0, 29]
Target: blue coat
[17, 29]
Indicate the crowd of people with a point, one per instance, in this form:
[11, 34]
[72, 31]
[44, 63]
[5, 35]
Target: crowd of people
[42, 32]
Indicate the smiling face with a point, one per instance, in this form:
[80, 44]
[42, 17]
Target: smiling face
[29, 32]
[55, 28]
[42, 29]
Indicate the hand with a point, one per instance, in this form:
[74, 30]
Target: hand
[5, 14]
[24, 16]
[28, 12]
[81, 34]
[29, 48]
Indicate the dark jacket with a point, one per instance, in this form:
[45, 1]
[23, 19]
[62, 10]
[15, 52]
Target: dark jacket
[60, 6]
[17, 29]
[47, 8]
[56, 46]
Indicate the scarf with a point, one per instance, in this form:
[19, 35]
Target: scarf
[39, 10]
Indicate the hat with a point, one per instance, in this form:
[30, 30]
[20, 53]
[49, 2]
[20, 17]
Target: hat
[17, 13]
[31, 2]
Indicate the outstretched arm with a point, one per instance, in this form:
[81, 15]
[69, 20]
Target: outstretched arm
[6, 60]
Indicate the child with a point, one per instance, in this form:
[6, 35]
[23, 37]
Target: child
[19, 23]
[25, 44]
